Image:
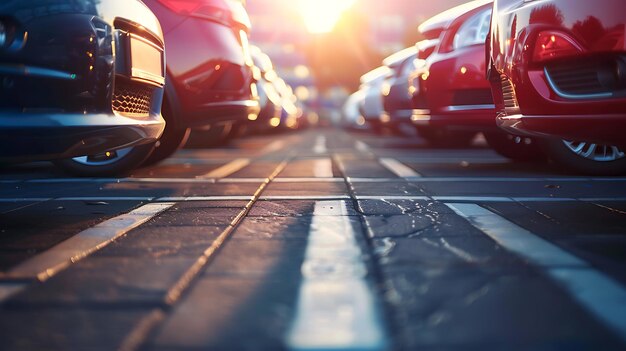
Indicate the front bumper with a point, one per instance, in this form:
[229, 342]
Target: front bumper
[604, 129]
[227, 111]
[25, 137]
[462, 117]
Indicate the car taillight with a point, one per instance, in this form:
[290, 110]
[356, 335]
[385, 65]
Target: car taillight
[551, 45]
[213, 10]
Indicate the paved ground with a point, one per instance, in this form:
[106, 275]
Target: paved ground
[321, 240]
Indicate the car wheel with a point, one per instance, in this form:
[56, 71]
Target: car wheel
[515, 147]
[440, 137]
[585, 157]
[108, 164]
[171, 140]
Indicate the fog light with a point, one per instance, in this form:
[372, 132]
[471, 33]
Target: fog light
[385, 118]
[275, 122]
[252, 117]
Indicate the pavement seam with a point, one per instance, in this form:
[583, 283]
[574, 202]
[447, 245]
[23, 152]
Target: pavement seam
[147, 325]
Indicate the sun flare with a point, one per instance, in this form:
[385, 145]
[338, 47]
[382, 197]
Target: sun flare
[320, 16]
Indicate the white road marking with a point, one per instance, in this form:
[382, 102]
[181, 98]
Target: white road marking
[307, 197]
[101, 198]
[320, 145]
[323, 168]
[290, 180]
[399, 169]
[205, 198]
[9, 289]
[361, 146]
[273, 147]
[309, 180]
[228, 169]
[50, 262]
[241, 180]
[336, 308]
[471, 199]
[597, 292]
[386, 197]
[26, 199]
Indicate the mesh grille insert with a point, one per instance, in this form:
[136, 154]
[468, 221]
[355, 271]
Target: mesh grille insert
[132, 99]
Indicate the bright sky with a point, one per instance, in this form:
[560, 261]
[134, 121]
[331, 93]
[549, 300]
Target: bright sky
[320, 16]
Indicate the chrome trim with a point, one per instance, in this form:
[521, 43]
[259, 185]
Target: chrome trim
[246, 103]
[421, 112]
[572, 96]
[32, 71]
[457, 108]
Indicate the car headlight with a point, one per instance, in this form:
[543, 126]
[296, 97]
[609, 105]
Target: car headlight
[474, 31]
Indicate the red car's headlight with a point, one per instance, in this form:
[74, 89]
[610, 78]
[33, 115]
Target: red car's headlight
[551, 45]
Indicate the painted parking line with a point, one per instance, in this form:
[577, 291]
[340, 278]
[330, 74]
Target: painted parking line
[361, 146]
[323, 168]
[467, 199]
[306, 197]
[336, 308]
[292, 180]
[399, 169]
[50, 262]
[597, 292]
[204, 198]
[273, 147]
[227, 169]
[25, 199]
[320, 145]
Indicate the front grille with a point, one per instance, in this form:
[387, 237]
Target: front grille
[132, 99]
[508, 93]
[586, 78]
[472, 97]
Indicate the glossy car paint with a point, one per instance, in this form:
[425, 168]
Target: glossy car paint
[395, 89]
[450, 90]
[269, 98]
[67, 86]
[209, 68]
[371, 106]
[533, 104]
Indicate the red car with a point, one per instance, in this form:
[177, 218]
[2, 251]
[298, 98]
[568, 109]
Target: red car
[558, 70]
[452, 100]
[210, 82]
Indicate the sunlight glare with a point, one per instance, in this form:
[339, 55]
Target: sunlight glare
[320, 16]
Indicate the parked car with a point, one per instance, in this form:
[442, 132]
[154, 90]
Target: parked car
[290, 114]
[269, 98]
[371, 106]
[557, 71]
[210, 82]
[395, 90]
[80, 78]
[399, 88]
[452, 100]
[352, 119]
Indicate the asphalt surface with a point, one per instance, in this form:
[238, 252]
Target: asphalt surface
[317, 240]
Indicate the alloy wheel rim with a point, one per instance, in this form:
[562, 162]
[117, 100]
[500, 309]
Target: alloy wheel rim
[595, 152]
[103, 159]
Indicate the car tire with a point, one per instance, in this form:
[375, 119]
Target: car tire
[171, 140]
[120, 163]
[440, 137]
[515, 147]
[580, 158]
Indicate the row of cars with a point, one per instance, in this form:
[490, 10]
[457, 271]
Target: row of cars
[540, 79]
[103, 87]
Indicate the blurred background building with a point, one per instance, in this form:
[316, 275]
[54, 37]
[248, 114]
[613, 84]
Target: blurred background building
[329, 63]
